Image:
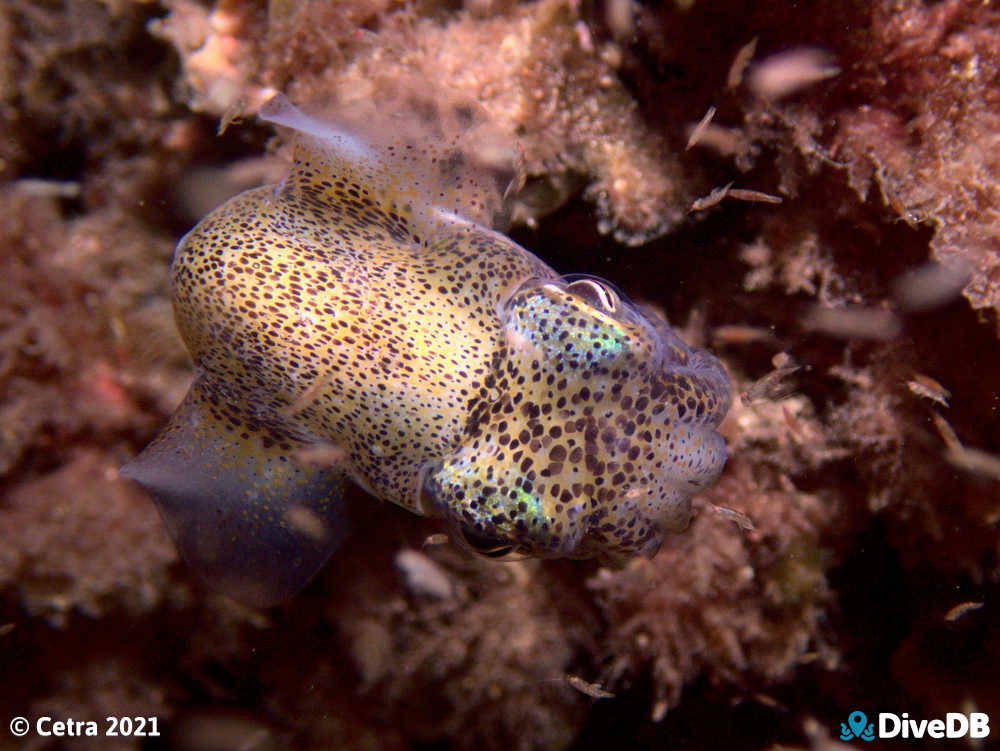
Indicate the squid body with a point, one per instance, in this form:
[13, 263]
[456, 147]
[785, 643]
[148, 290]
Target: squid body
[364, 311]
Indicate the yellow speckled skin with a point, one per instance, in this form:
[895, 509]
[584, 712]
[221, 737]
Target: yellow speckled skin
[363, 304]
[320, 311]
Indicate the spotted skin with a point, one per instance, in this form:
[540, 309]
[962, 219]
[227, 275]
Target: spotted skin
[603, 431]
[364, 304]
[346, 331]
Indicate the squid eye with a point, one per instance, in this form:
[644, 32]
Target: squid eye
[596, 294]
[485, 545]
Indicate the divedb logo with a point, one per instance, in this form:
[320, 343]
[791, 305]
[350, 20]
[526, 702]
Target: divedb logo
[954, 725]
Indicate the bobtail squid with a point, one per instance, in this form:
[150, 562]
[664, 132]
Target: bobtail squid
[366, 306]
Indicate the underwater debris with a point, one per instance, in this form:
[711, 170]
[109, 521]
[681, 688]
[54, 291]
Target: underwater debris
[619, 15]
[423, 575]
[306, 522]
[785, 73]
[740, 62]
[593, 690]
[752, 196]
[48, 188]
[712, 199]
[699, 129]
[741, 334]
[776, 385]
[962, 609]
[853, 323]
[321, 454]
[728, 191]
[930, 286]
[738, 518]
[927, 387]
[727, 142]
[966, 458]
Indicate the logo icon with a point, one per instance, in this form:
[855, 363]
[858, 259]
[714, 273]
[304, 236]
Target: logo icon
[857, 726]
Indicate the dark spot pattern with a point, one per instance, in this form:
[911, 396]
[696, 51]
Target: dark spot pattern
[356, 304]
[343, 306]
[618, 414]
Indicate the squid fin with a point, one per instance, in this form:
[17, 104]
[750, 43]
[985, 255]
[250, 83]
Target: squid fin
[434, 162]
[244, 513]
